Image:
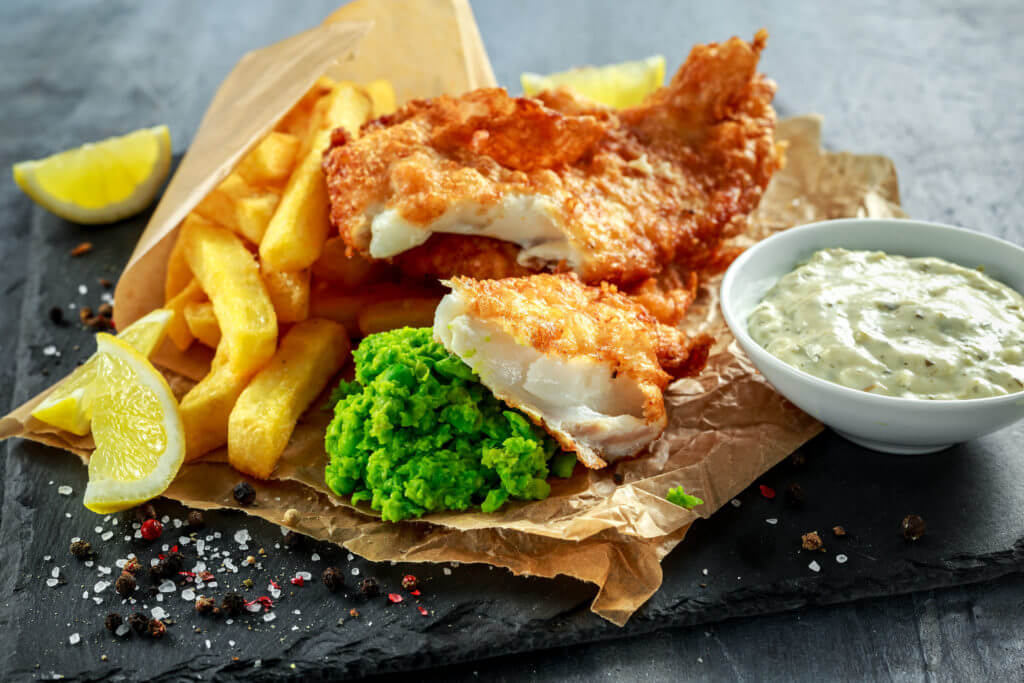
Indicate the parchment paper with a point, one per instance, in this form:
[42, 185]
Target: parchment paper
[726, 427]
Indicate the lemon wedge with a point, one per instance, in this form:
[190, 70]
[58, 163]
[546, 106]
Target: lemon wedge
[137, 428]
[100, 182]
[69, 406]
[616, 85]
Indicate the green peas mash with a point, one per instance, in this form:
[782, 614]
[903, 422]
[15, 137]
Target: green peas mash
[416, 432]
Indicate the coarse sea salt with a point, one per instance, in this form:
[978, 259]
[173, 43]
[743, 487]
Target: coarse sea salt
[65, 490]
[55, 572]
[188, 594]
[447, 572]
[355, 571]
[107, 535]
[158, 613]
[50, 350]
[167, 586]
[269, 616]
[315, 557]
[254, 607]
[98, 601]
[814, 566]
[52, 582]
[242, 536]
[305, 576]
[100, 586]
[772, 520]
[74, 639]
[83, 290]
[735, 502]
[47, 558]
[122, 630]
[106, 570]
[841, 558]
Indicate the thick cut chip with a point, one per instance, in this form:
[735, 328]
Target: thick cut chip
[271, 161]
[381, 316]
[253, 215]
[205, 409]
[202, 322]
[383, 96]
[296, 233]
[589, 363]
[178, 273]
[231, 278]
[298, 120]
[178, 329]
[265, 414]
[289, 292]
[222, 206]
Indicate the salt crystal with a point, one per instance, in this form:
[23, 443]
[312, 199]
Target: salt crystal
[351, 557]
[165, 519]
[295, 628]
[85, 595]
[216, 534]
[68, 515]
[120, 563]
[735, 502]
[83, 290]
[447, 572]
[74, 638]
[89, 563]
[47, 558]
[50, 350]
[98, 601]
[107, 298]
[254, 607]
[154, 562]
[160, 598]
[305, 576]
[188, 594]
[107, 518]
[122, 630]
[704, 572]
[242, 536]
[231, 643]
[167, 586]
[107, 535]
[76, 539]
[269, 616]
[166, 547]
[355, 571]
[315, 557]
[814, 566]
[65, 490]
[128, 537]
[98, 529]
[55, 572]
[72, 305]
[212, 584]
[100, 586]
[159, 613]
[841, 559]
[200, 546]
[106, 570]
[52, 582]
[137, 534]
[177, 523]
[772, 520]
[184, 540]
[229, 622]
[207, 643]
[295, 611]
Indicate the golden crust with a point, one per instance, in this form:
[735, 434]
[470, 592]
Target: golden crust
[634, 189]
[560, 316]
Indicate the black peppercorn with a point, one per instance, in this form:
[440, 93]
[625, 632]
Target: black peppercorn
[82, 550]
[795, 495]
[798, 460]
[369, 588]
[156, 628]
[913, 527]
[292, 540]
[57, 316]
[125, 585]
[205, 605]
[105, 310]
[112, 621]
[158, 572]
[333, 579]
[232, 604]
[175, 563]
[195, 519]
[244, 493]
[139, 622]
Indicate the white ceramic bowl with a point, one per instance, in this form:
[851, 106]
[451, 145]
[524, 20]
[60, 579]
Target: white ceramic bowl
[883, 423]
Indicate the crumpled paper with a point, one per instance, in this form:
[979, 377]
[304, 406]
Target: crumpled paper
[726, 427]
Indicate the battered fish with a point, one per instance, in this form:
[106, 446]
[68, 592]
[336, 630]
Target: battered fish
[572, 185]
[587, 362]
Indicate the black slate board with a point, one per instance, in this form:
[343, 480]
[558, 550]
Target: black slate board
[969, 495]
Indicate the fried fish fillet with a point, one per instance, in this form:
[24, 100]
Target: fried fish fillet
[570, 184]
[587, 362]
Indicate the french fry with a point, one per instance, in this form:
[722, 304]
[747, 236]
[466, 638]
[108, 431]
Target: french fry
[202, 322]
[271, 161]
[297, 121]
[296, 234]
[381, 316]
[177, 328]
[289, 292]
[230, 276]
[267, 410]
[220, 206]
[343, 306]
[383, 96]
[205, 409]
[337, 266]
[178, 273]
[253, 215]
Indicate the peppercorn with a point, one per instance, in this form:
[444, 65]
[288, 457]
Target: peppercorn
[144, 512]
[232, 604]
[57, 316]
[795, 495]
[838, 530]
[112, 621]
[125, 585]
[195, 519]
[244, 493]
[292, 540]
[156, 628]
[798, 460]
[132, 566]
[105, 283]
[369, 588]
[158, 572]
[139, 622]
[85, 315]
[175, 563]
[151, 529]
[811, 541]
[913, 527]
[205, 605]
[106, 310]
[81, 549]
[333, 579]
[409, 582]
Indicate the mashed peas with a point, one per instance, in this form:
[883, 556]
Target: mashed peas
[416, 432]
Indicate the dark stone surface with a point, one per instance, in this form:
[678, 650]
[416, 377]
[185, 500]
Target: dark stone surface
[936, 88]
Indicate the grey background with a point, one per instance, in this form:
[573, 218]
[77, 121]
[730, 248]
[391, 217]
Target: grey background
[934, 85]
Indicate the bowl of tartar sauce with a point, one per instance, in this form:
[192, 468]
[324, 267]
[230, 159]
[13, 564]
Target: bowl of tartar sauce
[902, 336]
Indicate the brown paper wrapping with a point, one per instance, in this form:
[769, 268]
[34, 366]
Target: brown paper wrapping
[726, 427]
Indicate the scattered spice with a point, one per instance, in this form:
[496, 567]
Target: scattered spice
[811, 541]
[139, 622]
[248, 583]
[422, 610]
[196, 520]
[151, 529]
[409, 582]
[156, 628]
[112, 621]
[244, 493]
[395, 598]
[57, 316]
[354, 613]
[132, 566]
[105, 283]
[798, 460]
[292, 540]
[158, 572]
[232, 604]
[767, 491]
[795, 495]
[913, 527]
[332, 579]
[81, 549]
[125, 585]
[205, 605]
[297, 581]
[82, 249]
[369, 588]
[144, 512]
[105, 310]
[175, 562]
[838, 530]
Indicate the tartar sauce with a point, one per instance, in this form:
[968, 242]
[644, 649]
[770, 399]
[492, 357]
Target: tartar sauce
[898, 326]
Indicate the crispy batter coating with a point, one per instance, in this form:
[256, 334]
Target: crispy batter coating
[667, 295]
[444, 256]
[558, 315]
[633, 190]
